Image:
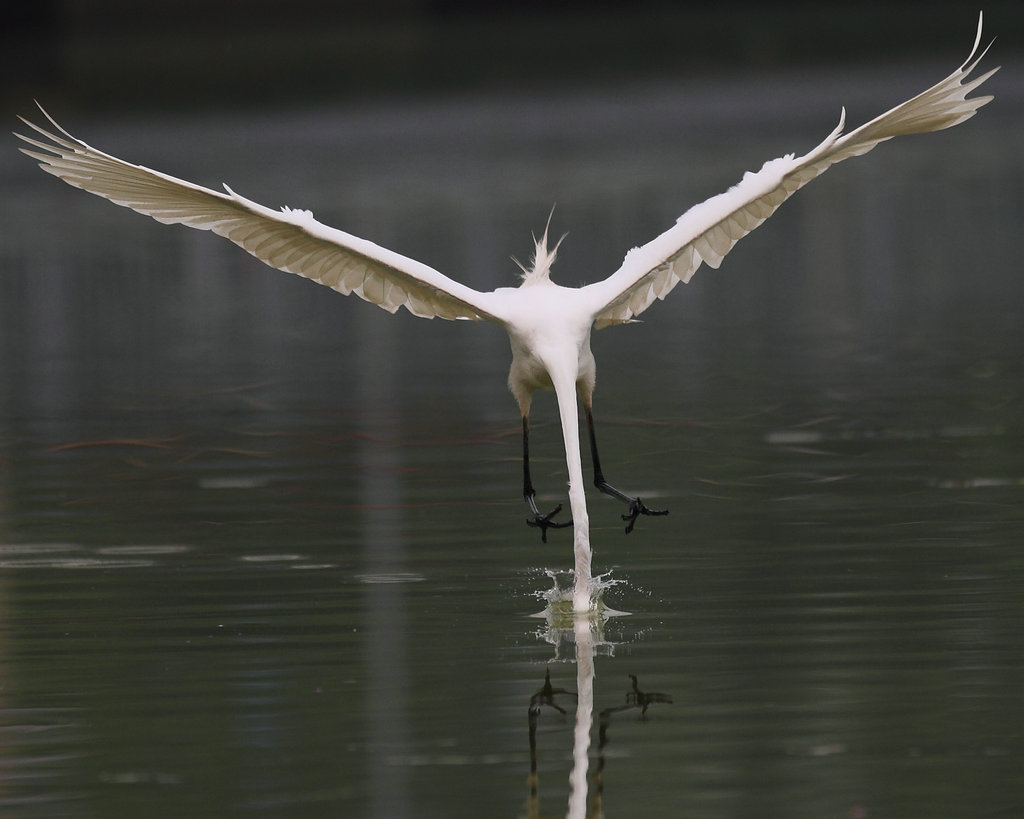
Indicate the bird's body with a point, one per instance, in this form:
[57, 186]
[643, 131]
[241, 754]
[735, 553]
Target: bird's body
[550, 338]
[549, 325]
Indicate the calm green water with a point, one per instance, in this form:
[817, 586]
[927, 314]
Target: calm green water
[262, 550]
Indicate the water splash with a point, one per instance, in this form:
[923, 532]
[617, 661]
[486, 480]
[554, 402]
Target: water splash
[561, 597]
[563, 621]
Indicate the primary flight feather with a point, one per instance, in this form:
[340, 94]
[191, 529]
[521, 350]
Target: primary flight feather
[548, 325]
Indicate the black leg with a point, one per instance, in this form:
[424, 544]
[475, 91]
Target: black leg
[543, 522]
[636, 506]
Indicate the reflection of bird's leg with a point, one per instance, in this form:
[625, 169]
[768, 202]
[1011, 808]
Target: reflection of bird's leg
[546, 695]
[543, 696]
[642, 699]
[543, 522]
[636, 506]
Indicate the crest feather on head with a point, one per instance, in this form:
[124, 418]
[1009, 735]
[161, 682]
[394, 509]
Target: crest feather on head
[543, 258]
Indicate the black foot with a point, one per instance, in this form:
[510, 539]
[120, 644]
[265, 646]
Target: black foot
[637, 508]
[544, 522]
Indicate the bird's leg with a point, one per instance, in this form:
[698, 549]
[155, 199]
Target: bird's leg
[636, 506]
[543, 522]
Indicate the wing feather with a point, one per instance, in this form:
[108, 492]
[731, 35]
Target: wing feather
[708, 231]
[290, 240]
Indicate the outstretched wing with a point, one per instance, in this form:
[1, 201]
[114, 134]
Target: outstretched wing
[708, 231]
[290, 240]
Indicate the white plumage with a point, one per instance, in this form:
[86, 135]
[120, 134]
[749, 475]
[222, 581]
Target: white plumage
[548, 325]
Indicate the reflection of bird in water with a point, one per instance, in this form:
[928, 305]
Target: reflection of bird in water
[545, 695]
[634, 699]
[548, 325]
[642, 699]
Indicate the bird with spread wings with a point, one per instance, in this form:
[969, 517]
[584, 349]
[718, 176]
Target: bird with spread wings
[548, 325]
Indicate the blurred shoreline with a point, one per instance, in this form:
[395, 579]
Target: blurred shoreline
[116, 54]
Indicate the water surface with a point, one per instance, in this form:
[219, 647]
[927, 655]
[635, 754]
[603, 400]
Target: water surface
[261, 546]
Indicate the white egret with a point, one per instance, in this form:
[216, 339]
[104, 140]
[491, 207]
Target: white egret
[548, 325]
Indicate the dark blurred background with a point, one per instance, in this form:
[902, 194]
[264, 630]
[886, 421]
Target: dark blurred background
[221, 53]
